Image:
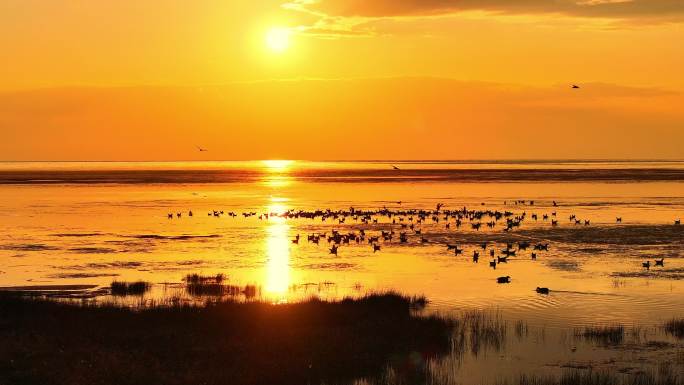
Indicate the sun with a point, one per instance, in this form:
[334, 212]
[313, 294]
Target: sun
[278, 39]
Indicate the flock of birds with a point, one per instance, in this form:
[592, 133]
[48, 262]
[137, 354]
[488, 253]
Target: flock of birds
[409, 222]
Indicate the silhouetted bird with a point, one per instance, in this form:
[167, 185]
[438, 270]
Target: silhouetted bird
[506, 279]
[395, 167]
[575, 86]
[542, 290]
[201, 149]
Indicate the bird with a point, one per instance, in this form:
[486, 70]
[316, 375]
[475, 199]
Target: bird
[575, 86]
[376, 248]
[439, 206]
[492, 264]
[646, 264]
[201, 149]
[395, 167]
[506, 279]
[660, 262]
[618, 219]
[542, 290]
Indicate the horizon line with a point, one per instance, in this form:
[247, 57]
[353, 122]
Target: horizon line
[481, 160]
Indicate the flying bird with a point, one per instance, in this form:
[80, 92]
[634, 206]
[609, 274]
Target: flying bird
[575, 86]
[395, 167]
[201, 149]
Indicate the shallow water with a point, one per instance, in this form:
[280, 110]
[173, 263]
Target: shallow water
[91, 223]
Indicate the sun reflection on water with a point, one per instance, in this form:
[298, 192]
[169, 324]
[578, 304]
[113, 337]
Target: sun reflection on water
[276, 174]
[277, 280]
[277, 180]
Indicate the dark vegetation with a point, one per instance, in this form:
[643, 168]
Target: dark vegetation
[675, 327]
[119, 288]
[664, 376]
[213, 286]
[221, 342]
[607, 335]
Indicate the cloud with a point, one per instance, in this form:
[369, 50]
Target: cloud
[618, 9]
[353, 18]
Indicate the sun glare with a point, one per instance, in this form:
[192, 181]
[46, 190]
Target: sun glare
[277, 165]
[278, 39]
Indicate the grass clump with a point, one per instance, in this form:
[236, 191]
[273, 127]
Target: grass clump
[607, 335]
[198, 278]
[675, 327]
[206, 285]
[122, 289]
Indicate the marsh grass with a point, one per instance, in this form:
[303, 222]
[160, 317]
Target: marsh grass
[606, 335]
[521, 329]
[122, 289]
[675, 327]
[475, 330]
[485, 330]
[220, 342]
[209, 286]
[210, 289]
[664, 376]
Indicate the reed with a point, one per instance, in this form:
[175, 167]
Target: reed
[675, 327]
[607, 335]
[222, 341]
[663, 376]
[122, 289]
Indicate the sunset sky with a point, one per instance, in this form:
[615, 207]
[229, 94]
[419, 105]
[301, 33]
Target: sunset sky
[341, 79]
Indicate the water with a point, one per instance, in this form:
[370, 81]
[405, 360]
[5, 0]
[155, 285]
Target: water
[91, 223]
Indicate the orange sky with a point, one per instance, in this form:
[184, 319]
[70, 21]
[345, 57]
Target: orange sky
[118, 80]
